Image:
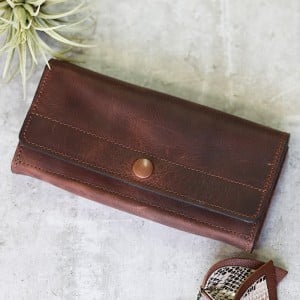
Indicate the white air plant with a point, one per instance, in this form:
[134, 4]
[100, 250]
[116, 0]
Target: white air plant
[27, 26]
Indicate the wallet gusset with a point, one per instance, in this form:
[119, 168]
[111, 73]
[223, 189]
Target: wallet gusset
[154, 155]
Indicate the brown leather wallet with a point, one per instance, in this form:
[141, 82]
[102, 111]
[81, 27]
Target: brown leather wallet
[156, 156]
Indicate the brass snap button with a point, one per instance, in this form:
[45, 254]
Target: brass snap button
[142, 168]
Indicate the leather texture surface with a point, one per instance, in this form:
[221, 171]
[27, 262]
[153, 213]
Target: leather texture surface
[213, 173]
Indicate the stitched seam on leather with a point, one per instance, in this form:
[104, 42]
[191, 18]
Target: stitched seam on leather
[129, 178]
[111, 171]
[267, 185]
[248, 242]
[20, 161]
[147, 154]
[41, 89]
[17, 158]
[45, 81]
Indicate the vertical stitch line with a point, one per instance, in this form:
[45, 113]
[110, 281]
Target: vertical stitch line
[268, 181]
[42, 88]
[18, 158]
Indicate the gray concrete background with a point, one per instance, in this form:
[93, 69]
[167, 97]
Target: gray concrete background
[238, 56]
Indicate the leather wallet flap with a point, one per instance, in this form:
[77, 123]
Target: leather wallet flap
[200, 156]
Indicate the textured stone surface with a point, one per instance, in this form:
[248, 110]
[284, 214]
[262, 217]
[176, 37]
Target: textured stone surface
[242, 57]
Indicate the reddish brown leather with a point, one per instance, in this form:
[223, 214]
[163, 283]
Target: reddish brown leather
[213, 173]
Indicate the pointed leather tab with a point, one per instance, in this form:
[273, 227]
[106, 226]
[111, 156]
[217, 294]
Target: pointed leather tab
[262, 284]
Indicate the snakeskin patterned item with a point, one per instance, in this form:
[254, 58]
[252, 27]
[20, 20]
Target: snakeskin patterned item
[258, 290]
[241, 279]
[225, 282]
